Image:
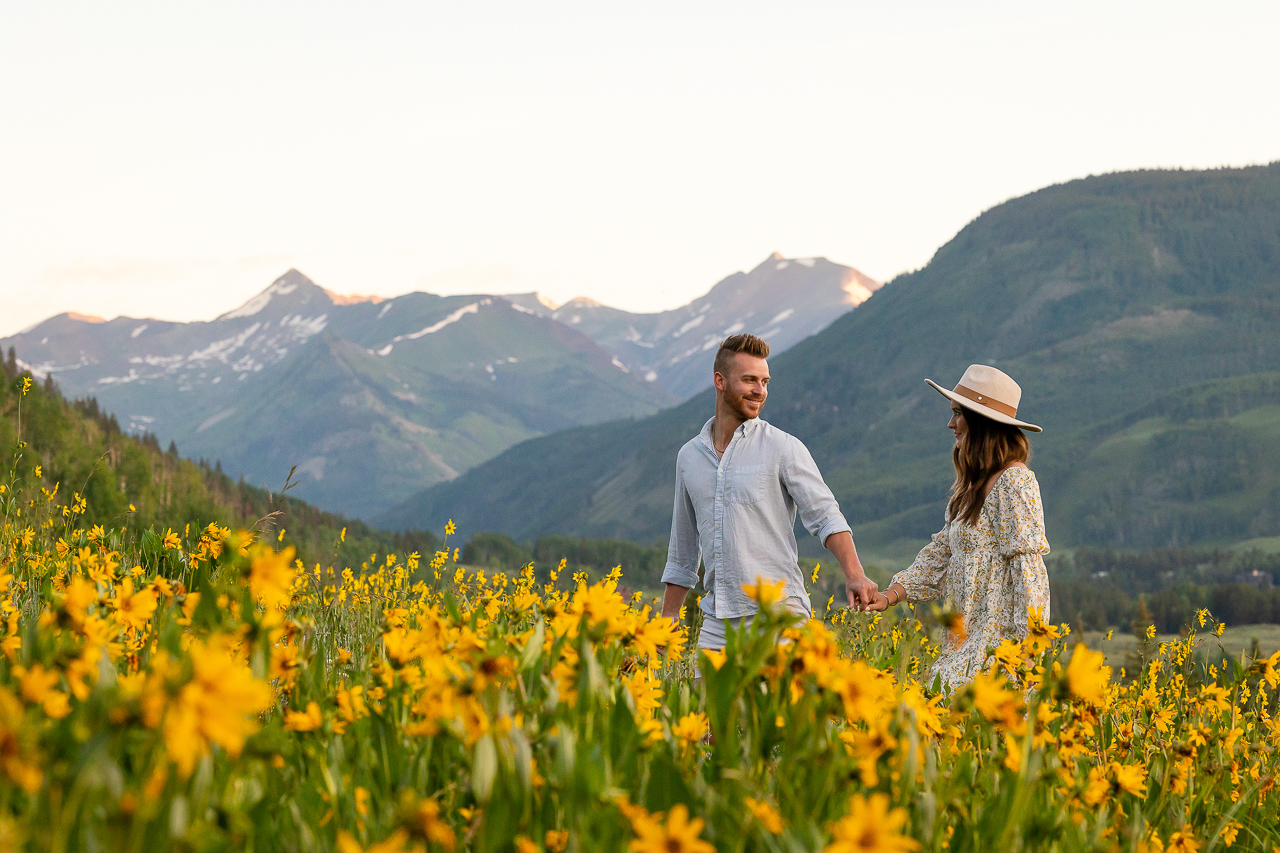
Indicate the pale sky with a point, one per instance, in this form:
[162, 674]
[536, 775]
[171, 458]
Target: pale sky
[171, 159]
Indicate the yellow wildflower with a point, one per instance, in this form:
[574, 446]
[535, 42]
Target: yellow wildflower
[1087, 678]
[218, 705]
[763, 591]
[678, 835]
[396, 842]
[1182, 842]
[428, 823]
[717, 657]
[766, 814]
[871, 827]
[304, 721]
[1096, 786]
[1040, 634]
[271, 577]
[1130, 778]
[79, 595]
[691, 728]
[133, 609]
[39, 688]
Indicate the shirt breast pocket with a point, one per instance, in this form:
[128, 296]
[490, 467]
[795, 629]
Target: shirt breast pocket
[749, 484]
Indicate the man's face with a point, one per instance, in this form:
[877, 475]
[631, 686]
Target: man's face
[746, 387]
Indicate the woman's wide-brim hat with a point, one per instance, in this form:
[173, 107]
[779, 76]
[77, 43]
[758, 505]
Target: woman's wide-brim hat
[989, 392]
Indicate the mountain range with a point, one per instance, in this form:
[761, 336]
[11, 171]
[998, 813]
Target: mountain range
[783, 300]
[1140, 312]
[374, 399]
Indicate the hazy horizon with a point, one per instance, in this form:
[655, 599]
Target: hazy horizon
[170, 162]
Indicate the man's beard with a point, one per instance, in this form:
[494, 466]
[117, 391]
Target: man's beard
[738, 404]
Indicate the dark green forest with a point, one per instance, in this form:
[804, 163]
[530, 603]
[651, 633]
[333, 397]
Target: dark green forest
[1099, 589]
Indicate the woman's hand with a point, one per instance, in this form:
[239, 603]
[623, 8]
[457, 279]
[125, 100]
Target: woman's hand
[880, 604]
[882, 601]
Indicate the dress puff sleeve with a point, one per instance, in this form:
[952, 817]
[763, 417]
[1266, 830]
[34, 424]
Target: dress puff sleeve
[1018, 518]
[923, 578]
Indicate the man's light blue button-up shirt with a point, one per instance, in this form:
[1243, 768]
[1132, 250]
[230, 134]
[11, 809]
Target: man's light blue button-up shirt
[737, 514]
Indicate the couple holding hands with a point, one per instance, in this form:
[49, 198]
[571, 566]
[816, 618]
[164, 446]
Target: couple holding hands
[741, 482]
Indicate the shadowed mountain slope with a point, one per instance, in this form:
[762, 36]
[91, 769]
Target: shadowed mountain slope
[1140, 312]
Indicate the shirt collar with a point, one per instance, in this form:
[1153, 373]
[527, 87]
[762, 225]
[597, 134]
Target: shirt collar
[705, 435]
[745, 429]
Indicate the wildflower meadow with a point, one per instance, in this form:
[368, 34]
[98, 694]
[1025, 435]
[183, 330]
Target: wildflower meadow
[203, 689]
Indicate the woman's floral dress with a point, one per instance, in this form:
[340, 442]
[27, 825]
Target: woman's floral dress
[992, 572]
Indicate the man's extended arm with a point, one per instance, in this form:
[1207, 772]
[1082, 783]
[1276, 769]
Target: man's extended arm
[684, 553]
[821, 516]
[860, 589]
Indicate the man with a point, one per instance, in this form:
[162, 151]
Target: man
[739, 484]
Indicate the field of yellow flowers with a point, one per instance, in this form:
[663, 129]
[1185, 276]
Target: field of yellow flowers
[202, 690]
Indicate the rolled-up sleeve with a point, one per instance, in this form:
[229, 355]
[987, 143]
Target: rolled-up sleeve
[819, 512]
[685, 550]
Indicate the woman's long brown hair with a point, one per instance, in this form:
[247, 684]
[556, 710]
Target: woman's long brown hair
[986, 448]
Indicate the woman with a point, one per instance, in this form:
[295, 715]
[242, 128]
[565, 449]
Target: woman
[988, 557]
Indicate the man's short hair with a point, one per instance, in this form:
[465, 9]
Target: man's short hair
[749, 344]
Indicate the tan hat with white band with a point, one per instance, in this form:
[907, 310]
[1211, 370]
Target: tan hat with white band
[989, 392]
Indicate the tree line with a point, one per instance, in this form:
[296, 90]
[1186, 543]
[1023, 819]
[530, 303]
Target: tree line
[1101, 589]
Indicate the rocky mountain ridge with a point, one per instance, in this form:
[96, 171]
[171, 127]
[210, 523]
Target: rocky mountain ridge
[371, 398]
[374, 398]
[783, 300]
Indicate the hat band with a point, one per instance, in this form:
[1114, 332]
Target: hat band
[989, 402]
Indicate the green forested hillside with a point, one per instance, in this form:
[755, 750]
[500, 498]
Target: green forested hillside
[131, 482]
[1140, 311]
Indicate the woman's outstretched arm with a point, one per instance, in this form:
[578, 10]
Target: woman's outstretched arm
[922, 580]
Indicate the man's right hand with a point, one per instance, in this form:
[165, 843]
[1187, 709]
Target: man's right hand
[862, 592]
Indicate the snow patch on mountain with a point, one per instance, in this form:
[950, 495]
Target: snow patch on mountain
[220, 416]
[262, 300]
[692, 324]
[472, 308]
[220, 350]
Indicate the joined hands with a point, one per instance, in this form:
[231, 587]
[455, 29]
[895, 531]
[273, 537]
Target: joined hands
[862, 592]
